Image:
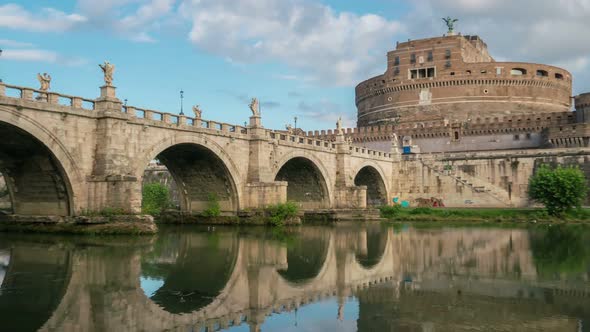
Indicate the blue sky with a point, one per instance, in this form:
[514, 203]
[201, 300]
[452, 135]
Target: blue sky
[300, 57]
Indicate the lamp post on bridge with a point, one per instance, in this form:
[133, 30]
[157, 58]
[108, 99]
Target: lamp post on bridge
[295, 119]
[181, 102]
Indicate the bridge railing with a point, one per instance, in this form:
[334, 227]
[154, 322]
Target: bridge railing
[40, 96]
[63, 100]
[290, 139]
[362, 151]
[177, 119]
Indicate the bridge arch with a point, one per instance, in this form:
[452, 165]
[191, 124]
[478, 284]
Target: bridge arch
[371, 175]
[309, 182]
[177, 262]
[200, 168]
[42, 177]
[375, 240]
[306, 256]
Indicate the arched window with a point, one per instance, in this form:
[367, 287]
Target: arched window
[542, 73]
[518, 71]
[558, 76]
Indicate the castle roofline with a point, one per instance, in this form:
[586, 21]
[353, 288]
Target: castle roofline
[411, 42]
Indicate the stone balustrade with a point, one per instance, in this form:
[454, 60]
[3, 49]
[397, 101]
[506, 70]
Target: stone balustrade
[80, 103]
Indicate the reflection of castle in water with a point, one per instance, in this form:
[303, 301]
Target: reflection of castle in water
[215, 280]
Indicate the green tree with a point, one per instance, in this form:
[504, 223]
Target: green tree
[559, 189]
[155, 198]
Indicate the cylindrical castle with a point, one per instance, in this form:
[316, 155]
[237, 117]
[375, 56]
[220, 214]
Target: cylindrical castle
[454, 78]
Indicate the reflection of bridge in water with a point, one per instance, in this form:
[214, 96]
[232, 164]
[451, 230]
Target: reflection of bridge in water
[215, 280]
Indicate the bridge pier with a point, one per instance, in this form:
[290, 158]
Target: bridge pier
[347, 194]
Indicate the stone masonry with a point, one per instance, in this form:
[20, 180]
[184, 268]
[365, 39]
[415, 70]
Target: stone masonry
[65, 155]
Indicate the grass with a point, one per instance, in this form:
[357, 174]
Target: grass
[483, 215]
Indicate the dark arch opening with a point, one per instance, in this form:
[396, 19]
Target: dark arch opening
[34, 180]
[195, 176]
[376, 192]
[191, 269]
[376, 240]
[306, 185]
[34, 277]
[306, 255]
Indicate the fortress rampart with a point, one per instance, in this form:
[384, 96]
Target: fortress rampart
[445, 128]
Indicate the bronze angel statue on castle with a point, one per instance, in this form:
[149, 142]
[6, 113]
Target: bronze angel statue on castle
[450, 23]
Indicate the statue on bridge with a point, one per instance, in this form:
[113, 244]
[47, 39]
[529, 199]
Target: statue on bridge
[45, 81]
[339, 126]
[198, 111]
[108, 69]
[255, 107]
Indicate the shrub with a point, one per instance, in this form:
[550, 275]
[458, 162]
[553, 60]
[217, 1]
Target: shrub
[559, 189]
[155, 198]
[214, 209]
[278, 214]
[390, 212]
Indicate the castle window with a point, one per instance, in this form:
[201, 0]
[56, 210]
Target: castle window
[396, 61]
[498, 70]
[447, 54]
[452, 73]
[456, 135]
[396, 71]
[558, 76]
[468, 72]
[516, 137]
[542, 73]
[483, 71]
[430, 56]
[413, 58]
[528, 135]
[422, 73]
[430, 72]
[518, 71]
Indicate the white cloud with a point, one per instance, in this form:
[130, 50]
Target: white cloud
[14, 43]
[13, 16]
[328, 112]
[132, 19]
[333, 48]
[39, 55]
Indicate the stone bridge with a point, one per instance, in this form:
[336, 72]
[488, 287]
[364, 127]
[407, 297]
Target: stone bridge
[63, 155]
[249, 278]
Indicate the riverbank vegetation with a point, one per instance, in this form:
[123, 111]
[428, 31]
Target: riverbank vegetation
[397, 213]
[560, 190]
[156, 198]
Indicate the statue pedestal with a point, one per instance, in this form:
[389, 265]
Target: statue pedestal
[255, 121]
[108, 100]
[107, 92]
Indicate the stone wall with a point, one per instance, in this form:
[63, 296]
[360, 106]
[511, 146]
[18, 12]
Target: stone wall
[483, 179]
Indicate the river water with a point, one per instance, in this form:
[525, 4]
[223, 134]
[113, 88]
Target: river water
[348, 277]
